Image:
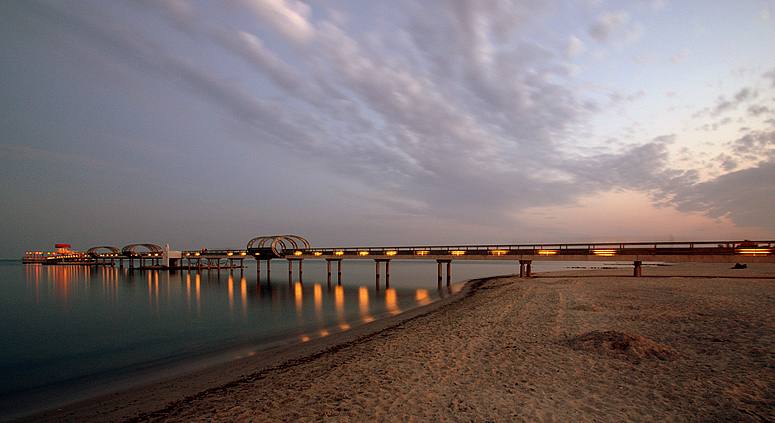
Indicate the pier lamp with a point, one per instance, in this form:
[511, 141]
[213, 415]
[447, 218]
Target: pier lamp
[229, 254]
[457, 252]
[391, 253]
[604, 253]
[338, 253]
[547, 252]
[297, 253]
[363, 253]
[498, 252]
[243, 253]
[318, 253]
[421, 252]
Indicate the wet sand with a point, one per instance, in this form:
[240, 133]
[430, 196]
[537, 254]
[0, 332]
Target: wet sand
[689, 342]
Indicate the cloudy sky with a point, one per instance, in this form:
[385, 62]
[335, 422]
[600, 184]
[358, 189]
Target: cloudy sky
[208, 123]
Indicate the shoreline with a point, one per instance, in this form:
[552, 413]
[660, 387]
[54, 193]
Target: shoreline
[535, 317]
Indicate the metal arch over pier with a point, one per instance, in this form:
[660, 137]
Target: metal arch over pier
[113, 251]
[278, 245]
[154, 253]
[129, 250]
[113, 254]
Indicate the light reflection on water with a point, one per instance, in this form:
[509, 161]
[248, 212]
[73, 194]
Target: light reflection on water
[67, 326]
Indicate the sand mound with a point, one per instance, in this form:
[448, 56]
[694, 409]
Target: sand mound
[621, 345]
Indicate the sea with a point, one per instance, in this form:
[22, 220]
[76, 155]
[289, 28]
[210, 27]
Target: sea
[73, 332]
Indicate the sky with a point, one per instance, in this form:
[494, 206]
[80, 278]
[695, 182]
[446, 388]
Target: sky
[204, 124]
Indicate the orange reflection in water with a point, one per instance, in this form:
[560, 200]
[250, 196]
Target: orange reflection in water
[298, 296]
[422, 296]
[391, 301]
[198, 292]
[318, 300]
[339, 301]
[363, 303]
[231, 292]
[244, 293]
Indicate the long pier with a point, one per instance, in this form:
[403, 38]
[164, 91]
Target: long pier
[525, 254]
[295, 249]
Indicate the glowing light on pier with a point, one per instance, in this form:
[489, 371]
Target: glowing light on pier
[297, 253]
[604, 253]
[391, 253]
[363, 253]
[338, 253]
[498, 252]
[318, 253]
[754, 251]
[547, 252]
[457, 252]
[421, 252]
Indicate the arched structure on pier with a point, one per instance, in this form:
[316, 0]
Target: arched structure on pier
[113, 251]
[275, 246]
[129, 250]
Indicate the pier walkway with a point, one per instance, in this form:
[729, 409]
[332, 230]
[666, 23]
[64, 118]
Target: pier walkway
[295, 249]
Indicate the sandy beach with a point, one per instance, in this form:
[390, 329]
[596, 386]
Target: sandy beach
[686, 342]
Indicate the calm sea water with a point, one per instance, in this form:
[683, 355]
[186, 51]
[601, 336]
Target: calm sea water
[73, 332]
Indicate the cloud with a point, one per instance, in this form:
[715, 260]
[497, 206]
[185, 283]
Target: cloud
[680, 58]
[573, 48]
[289, 17]
[253, 50]
[755, 146]
[744, 196]
[607, 25]
[771, 76]
[755, 110]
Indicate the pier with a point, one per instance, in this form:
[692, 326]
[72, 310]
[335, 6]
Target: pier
[295, 249]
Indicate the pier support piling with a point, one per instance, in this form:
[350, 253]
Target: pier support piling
[338, 269]
[449, 268]
[290, 268]
[258, 270]
[637, 269]
[387, 271]
[525, 270]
